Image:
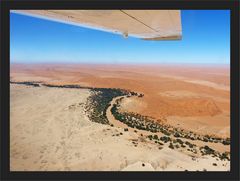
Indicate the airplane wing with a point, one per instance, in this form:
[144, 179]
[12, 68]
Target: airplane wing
[143, 24]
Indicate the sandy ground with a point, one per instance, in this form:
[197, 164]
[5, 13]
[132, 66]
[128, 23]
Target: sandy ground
[198, 93]
[49, 131]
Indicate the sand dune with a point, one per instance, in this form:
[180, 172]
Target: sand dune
[211, 98]
[148, 79]
[51, 131]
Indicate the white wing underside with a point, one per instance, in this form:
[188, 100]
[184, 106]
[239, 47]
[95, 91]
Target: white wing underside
[144, 24]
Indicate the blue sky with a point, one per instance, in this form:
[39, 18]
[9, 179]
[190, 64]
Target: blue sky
[206, 39]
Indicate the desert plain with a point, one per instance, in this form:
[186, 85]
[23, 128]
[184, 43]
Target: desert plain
[162, 117]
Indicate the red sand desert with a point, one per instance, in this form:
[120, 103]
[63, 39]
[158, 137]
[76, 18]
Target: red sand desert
[190, 97]
[197, 97]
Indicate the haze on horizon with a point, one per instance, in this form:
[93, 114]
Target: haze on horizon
[206, 40]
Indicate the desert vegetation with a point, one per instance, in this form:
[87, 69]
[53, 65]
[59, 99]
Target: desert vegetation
[141, 122]
[27, 83]
[206, 150]
[186, 145]
[99, 101]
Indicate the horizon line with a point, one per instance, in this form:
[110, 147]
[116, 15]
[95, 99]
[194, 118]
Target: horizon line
[84, 63]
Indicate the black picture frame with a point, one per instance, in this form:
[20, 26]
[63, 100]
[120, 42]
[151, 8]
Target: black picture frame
[6, 6]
